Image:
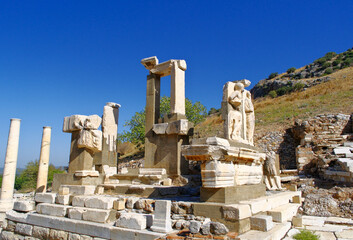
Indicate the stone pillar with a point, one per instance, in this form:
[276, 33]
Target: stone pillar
[161, 221]
[177, 87]
[8, 181]
[44, 161]
[109, 155]
[152, 116]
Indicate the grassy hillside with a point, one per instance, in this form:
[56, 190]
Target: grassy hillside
[334, 96]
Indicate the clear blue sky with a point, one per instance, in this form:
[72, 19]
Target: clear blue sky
[59, 58]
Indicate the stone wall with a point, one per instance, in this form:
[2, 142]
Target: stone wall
[318, 137]
[282, 143]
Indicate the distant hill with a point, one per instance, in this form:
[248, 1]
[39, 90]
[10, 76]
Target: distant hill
[308, 76]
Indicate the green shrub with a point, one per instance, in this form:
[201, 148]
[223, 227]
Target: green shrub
[306, 235]
[291, 70]
[326, 65]
[272, 94]
[330, 55]
[298, 86]
[320, 60]
[328, 71]
[273, 75]
[284, 90]
[336, 62]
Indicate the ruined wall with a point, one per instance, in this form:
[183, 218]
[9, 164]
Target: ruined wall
[318, 137]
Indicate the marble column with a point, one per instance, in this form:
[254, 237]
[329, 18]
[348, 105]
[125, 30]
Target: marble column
[44, 161]
[8, 180]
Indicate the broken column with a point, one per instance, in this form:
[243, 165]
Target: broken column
[8, 180]
[164, 137]
[44, 161]
[107, 159]
[86, 140]
[161, 221]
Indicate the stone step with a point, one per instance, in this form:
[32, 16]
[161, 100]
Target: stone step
[262, 223]
[284, 212]
[98, 230]
[276, 233]
[92, 215]
[52, 209]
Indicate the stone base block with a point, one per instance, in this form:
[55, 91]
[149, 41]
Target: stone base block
[98, 215]
[45, 197]
[230, 195]
[132, 221]
[64, 199]
[52, 209]
[24, 206]
[70, 179]
[100, 202]
[80, 190]
[284, 212]
[261, 223]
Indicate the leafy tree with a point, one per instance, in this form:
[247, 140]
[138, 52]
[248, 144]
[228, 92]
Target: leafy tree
[195, 112]
[291, 70]
[27, 180]
[273, 75]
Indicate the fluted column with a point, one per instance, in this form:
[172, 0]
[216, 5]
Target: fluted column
[8, 180]
[44, 161]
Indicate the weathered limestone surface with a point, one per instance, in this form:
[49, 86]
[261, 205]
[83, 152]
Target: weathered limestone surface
[64, 199]
[164, 137]
[90, 139]
[99, 215]
[24, 229]
[8, 181]
[261, 222]
[24, 205]
[45, 197]
[132, 221]
[44, 161]
[162, 222]
[79, 122]
[100, 202]
[284, 212]
[52, 209]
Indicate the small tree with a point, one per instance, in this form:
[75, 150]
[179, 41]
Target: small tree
[291, 70]
[273, 75]
[195, 112]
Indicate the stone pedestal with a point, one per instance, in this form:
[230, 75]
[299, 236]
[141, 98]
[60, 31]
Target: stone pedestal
[44, 161]
[8, 181]
[231, 171]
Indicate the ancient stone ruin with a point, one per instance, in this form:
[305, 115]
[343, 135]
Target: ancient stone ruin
[227, 200]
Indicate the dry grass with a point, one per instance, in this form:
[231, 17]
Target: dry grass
[335, 96]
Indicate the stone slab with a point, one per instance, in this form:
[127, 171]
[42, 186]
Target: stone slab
[236, 212]
[76, 213]
[79, 201]
[99, 215]
[24, 206]
[64, 199]
[132, 221]
[99, 230]
[261, 223]
[100, 202]
[234, 194]
[52, 209]
[276, 233]
[345, 234]
[284, 212]
[313, 221]
[80, 190]
[24, 229]
[45, 197]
